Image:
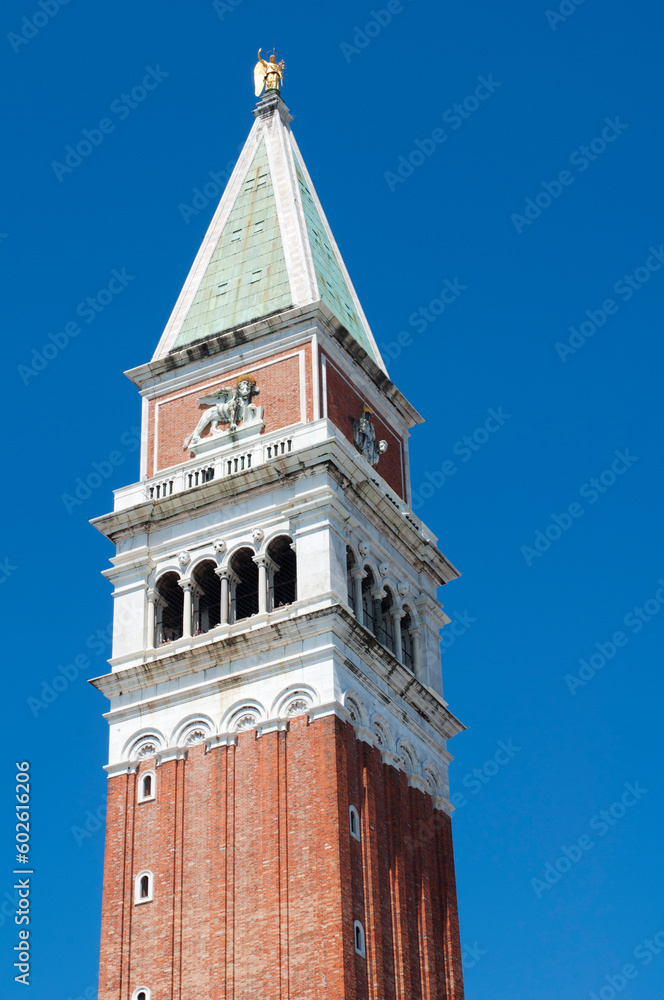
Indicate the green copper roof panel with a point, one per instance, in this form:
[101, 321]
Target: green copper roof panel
[332, 286]
[247, 276]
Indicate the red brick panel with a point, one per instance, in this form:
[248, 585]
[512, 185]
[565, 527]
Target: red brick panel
[180, 411]
[257, 880]
[344, 405]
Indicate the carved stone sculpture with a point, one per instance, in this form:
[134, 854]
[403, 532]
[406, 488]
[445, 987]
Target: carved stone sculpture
[364, 438]
[228, 406]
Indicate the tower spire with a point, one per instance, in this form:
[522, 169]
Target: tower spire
[269, 247]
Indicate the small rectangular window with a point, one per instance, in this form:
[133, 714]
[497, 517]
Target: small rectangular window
[262, 181]
[235, 236]
[259, 226]
[256, 276]
[223, 288]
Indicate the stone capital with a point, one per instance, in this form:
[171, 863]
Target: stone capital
[263, 559]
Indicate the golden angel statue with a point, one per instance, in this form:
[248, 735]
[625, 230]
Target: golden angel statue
[270, 74]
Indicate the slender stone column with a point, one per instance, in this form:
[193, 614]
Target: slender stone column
[152, 618]
[358, 575]
[377, 596]
[262, 586]
[188, 587]
[224, 601]
[397, 614]
[265, 565]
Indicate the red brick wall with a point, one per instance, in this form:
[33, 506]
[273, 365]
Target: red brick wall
[279, 385]
[257, 880]
[344, 405]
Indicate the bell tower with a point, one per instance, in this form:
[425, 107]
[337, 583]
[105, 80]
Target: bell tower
[278, 819]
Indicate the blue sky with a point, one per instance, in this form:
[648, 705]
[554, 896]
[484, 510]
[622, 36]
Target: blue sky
[537, 205]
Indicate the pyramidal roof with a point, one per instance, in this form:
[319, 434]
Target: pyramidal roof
[269, 246]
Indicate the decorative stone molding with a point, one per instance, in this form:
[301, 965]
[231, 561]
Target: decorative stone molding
[258, 535]
[416, 781]
[383, 569]
[271, 726]
[403, 589]
[363, 549]
[298, 706]
[145, 748]
[407, 756]
[245, 718]
[219, 546]
[197, 732]
[382, 733]
[294, 701]
[377, 593]
[355, 709]
[221, 740]
[171, 753]
[184, 558]
[122, 767]
[327, 708]
[431, 778]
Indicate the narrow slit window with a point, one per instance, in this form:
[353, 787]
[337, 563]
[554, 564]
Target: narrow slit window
[360, 946]
[256, 275]
[259, 226]
[146, 787]
[223, 288]
[235, 236]
[354, 822]
[143, 888]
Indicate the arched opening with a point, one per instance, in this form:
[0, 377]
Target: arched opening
[244, 593]
[368, 584]
[207, 613]
[283, 576]
[170, 609]
[387, 621]
[407, 657]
